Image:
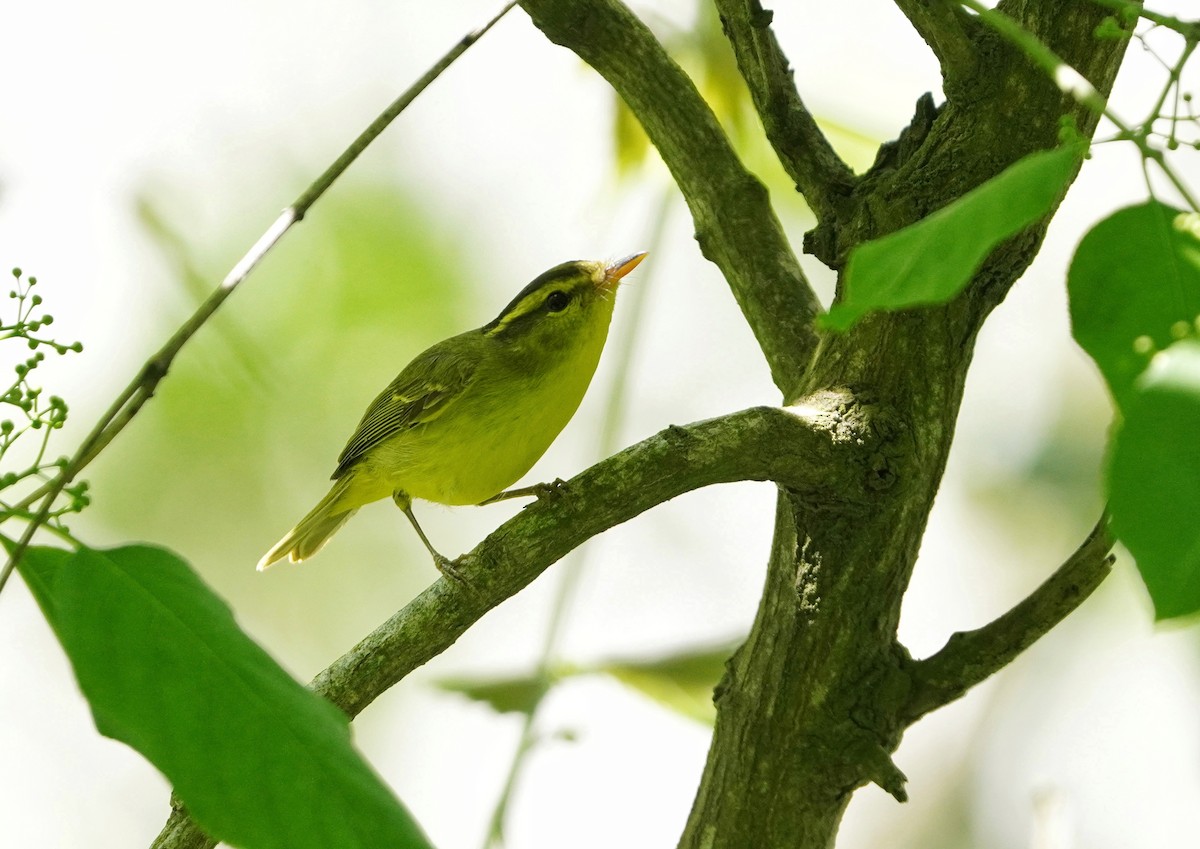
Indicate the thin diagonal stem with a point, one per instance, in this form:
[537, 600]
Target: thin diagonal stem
[141, 389]
[1188, 29]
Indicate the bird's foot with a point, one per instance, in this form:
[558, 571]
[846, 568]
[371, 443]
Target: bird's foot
[538, 490]
[450, 569]
[555, 489]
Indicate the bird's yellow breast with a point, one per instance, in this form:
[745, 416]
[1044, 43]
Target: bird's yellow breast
[489, 436]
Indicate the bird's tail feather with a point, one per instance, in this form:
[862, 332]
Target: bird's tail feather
[314, 530]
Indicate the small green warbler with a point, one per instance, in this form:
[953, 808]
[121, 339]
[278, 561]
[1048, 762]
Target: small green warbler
[473, 413]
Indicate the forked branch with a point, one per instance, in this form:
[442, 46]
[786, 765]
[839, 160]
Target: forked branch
[802, 449]
[969, 657]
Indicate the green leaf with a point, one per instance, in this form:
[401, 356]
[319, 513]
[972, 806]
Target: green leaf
[1135, 288]
[682, 682]
[932, 260]
[260, 761]
[1154, 480]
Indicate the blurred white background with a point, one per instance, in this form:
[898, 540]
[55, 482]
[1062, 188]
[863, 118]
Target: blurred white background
[218, 116]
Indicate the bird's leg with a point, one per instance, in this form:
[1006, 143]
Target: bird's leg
[538, 490]
[444, 564]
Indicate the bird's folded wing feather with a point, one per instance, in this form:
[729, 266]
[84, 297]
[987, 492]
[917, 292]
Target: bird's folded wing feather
[422, 392]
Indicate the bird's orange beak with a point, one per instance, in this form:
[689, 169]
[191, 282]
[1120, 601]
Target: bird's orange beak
[615, 271]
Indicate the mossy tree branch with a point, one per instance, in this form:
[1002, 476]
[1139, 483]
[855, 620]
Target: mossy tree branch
[944, 26]
[735, 225]
[819, 173]
[829, 446]
[825, 446]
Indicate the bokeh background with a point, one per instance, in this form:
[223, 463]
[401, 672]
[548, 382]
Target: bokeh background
[145, 146]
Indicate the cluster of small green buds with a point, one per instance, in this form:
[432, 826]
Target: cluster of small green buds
[27, 323]
[79, 498]
[36, 410]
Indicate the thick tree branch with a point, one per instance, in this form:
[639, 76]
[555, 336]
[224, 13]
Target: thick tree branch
[735, 224]
[803, 449]
[828, 448]
[969, 657]
[943, 24]
[819, 173]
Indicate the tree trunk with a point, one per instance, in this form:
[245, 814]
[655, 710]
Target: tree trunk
[817, 698]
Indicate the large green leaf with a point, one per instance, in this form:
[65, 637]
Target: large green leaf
[259, 760]
[1135, 288]
[931, 261]
[1154, 478]
[39, 567]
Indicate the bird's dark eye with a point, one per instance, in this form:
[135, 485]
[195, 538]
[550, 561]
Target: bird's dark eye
[557, 301]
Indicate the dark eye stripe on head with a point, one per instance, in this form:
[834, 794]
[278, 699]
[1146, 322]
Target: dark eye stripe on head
[565, 278]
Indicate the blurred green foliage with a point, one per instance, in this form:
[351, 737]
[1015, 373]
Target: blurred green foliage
[681, 681]
[246, 429]
[706, 56]
[521, 694]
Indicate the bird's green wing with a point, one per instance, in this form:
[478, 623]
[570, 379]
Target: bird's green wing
[422, 392]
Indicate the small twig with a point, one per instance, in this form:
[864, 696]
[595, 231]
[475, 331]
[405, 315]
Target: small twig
[61, 533]
[1188, 29]
[1076, 86]
[807, 156]
[940, 23]
[969, 657]
[494, 837]
[141, 389]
